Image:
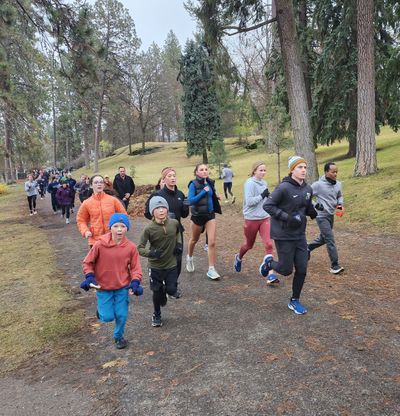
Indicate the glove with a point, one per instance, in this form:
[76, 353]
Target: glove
[90, 280]
[265, 193]
[136, 288]
[155, 253]
[178, 249]
[339, 210]
[294, 221]
[319, 207]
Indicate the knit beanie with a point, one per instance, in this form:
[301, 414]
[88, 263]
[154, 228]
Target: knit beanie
[294, 161]
[157, 202]
[119, 217]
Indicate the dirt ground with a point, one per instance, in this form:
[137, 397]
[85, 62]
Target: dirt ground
[228, 347]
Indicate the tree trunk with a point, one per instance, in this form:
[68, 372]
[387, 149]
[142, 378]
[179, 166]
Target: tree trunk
[352, 137]
[366, 162]
[205, 156]
[129, 134]
[97, 133]
[53, 108]
[298, 106]
[7, 147]
[86, 141]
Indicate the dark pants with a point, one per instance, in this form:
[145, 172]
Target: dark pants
[54, 203]
[292, 253]
[326, 236]
[227, 189]
[162, 282]
[65, 210]
[125, 203]
[32, 202]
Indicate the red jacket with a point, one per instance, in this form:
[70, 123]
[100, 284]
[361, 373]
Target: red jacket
[94, 214]
[114, 265]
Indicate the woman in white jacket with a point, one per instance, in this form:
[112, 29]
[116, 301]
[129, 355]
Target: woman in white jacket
[31, 194]
[256, 219]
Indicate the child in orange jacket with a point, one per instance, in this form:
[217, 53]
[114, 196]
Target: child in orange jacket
[112, 266]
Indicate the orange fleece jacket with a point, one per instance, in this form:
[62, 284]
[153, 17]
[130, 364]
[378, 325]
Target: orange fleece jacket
[114, 265]
[95, 212]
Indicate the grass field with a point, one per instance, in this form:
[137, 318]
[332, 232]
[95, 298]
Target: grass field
[372, 201]
[32, 300]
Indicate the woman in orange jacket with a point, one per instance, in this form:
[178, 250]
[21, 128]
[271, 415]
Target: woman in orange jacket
[95, 212]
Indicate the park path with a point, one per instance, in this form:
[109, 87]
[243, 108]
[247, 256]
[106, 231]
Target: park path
[229, 347]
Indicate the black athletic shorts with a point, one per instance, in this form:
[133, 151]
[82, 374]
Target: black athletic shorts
[201, 220]
[164, 277]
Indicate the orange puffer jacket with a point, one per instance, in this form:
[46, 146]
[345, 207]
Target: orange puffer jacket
[94, 214]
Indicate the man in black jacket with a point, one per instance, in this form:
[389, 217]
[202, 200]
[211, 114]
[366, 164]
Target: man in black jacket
[288, 205]
[124, 186]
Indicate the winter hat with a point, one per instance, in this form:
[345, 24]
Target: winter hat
[157, 202]
[294, 161]
[119, 217]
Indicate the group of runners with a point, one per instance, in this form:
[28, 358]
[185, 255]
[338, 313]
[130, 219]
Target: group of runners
[112, 265]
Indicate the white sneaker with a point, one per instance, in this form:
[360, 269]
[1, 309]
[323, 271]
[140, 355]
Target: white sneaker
[31, 213]
[67, 221]
[35, 212]
[226, 201]
[213, 274]
[189, 264]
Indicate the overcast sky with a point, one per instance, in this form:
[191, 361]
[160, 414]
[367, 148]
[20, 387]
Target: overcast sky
[155, 18]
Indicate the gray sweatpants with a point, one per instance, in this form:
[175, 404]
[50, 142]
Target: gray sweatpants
[326, 236]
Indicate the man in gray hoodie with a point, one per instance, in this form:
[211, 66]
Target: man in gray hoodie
[328, 191]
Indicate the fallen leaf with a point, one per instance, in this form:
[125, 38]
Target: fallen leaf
[115, 363]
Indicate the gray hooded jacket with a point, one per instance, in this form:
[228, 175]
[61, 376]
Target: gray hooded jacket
[328, 194]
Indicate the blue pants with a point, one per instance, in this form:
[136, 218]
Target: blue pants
[113, 305]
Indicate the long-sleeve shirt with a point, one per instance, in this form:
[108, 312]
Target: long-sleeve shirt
[31, 188]
[162, 237]
[328, 194]
[252, 199]
[113, 265]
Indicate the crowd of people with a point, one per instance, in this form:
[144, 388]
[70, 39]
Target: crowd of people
[112, 265]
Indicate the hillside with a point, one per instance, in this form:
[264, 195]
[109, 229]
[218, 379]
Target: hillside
[373, 200]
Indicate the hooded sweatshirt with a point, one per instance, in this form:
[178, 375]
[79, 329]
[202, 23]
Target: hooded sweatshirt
[253, 201]
[31, 188]
[289, 198]
[114, 265]
[328, 194]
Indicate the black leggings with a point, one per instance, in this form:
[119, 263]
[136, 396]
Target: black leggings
[227, 189]
[54, 203]
[292, 253]
[65, 210]
[32, 202]
[161, 283]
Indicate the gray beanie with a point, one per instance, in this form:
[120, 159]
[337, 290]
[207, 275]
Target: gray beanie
[157, 202]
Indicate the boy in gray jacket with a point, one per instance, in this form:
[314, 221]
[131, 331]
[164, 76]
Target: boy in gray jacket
[328, 191]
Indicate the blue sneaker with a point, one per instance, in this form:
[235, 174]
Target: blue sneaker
[272, 279]
[297, 307]
[238, 263]
[265, 266]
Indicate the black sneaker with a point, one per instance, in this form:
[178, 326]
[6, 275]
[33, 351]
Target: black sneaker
[156, 320]
[121, 343]
[97, 314]
[336, 269]
[176, 295]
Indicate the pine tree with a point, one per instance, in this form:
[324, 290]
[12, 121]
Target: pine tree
[200, 107]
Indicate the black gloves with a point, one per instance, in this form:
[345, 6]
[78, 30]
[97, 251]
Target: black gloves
[155, 253]
[265, 193]
[294, 221]
[319, 207]
[178, 249]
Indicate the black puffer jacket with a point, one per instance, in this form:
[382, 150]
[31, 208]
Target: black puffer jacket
[289, 198]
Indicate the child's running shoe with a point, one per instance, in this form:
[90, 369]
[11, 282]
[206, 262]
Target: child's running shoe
[238, 263]
[296, 307]
[121, 343]
[272, 279]
[156, 320]
[265, 266]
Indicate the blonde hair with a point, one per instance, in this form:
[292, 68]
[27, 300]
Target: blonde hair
[255, 166]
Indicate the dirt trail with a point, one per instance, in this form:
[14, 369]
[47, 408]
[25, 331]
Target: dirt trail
[230, 347]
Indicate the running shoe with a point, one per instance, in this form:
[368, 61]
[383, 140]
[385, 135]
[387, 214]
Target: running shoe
[296, 307]
[213, 274]
[238, 263]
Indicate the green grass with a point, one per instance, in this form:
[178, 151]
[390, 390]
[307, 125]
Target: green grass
[373, 200]
[32, 313]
